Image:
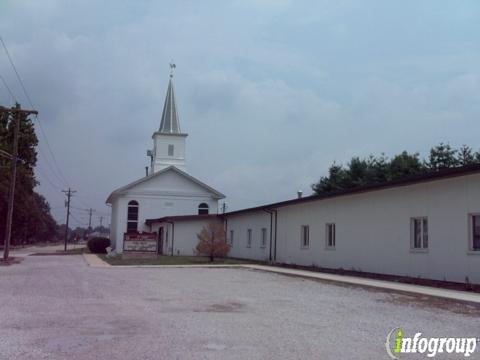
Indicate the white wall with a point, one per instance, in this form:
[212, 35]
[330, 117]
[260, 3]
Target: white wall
[168, 194]
[373, 231]
[160, 150]
[185, 236]
[240, 223]
[113, 223]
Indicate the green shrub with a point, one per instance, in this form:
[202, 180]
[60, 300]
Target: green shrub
[98, 245]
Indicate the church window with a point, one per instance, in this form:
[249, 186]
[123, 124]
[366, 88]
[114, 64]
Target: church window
[132, 216]
[170, 150]
[203, 209]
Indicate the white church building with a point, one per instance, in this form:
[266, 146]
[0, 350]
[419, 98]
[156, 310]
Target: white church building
[424, 227]
[168, 191]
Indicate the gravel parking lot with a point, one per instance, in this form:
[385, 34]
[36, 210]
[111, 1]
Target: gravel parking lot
[56, 307]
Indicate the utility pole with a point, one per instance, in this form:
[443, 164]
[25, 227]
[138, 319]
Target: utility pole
[90, 219]
[101, 221]
[90, 212]
[69, 193]
[17, 113]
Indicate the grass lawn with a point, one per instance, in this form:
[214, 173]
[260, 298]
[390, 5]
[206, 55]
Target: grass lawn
[174, 260]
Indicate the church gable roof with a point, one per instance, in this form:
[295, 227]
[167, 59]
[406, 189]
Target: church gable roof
[124, 189]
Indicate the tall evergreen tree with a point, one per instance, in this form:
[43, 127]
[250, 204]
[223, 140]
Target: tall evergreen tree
[442, 156]
[465, 155]
[32, 220]
[375, 170]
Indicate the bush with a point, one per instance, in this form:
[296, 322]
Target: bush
[98, 245]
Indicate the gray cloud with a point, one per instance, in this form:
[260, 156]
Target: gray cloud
[271, 92]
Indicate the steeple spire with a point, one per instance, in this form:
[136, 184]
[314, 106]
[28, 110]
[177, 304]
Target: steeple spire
[168, 141]
[170, 123]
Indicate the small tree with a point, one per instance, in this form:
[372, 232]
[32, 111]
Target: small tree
[442, 156]
[212, 241]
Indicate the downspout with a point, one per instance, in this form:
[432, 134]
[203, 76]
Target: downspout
[173, 232]
[271, 235]
[275, 250]
[226, 227]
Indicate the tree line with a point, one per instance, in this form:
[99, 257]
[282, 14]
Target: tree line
[32, 220]
[373, 170]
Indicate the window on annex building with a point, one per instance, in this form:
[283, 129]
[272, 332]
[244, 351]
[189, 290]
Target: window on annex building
[419, 233]
[231, 237]
[330, 236]
[132, 216]
[264, 238]
[249, 238]
[475, 232]
[170, 150]
[203, 209]
[305, 236]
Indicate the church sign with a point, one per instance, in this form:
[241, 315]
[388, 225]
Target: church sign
[140, 242]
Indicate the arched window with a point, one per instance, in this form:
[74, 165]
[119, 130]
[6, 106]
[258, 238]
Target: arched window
[203, 209]
[132, 216]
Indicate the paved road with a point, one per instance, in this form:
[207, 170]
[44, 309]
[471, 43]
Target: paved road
[56, 307]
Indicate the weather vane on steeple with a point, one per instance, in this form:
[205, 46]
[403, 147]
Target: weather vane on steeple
[172, 67]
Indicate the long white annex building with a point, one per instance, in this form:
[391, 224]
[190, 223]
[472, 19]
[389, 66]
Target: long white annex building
[424, 227]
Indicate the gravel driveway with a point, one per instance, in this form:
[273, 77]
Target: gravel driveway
[56, 307]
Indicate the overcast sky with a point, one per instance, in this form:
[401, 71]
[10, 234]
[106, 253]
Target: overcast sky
[270, 92]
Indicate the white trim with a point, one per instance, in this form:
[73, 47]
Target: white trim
[263, 238]
[304, 236]
[249, 238]
[327, 235]
[471, 251]
[123, 189]
[422, 247]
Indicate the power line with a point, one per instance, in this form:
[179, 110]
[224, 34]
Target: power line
[52, 169]
[51, 152]
[16, 73]
[84, 203]
[8, 88]
[56, 170]
[50, 182]
[78, 221]
[31, 104]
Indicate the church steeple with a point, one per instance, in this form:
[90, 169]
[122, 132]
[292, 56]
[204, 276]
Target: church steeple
[168, 141]
[170, 123]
